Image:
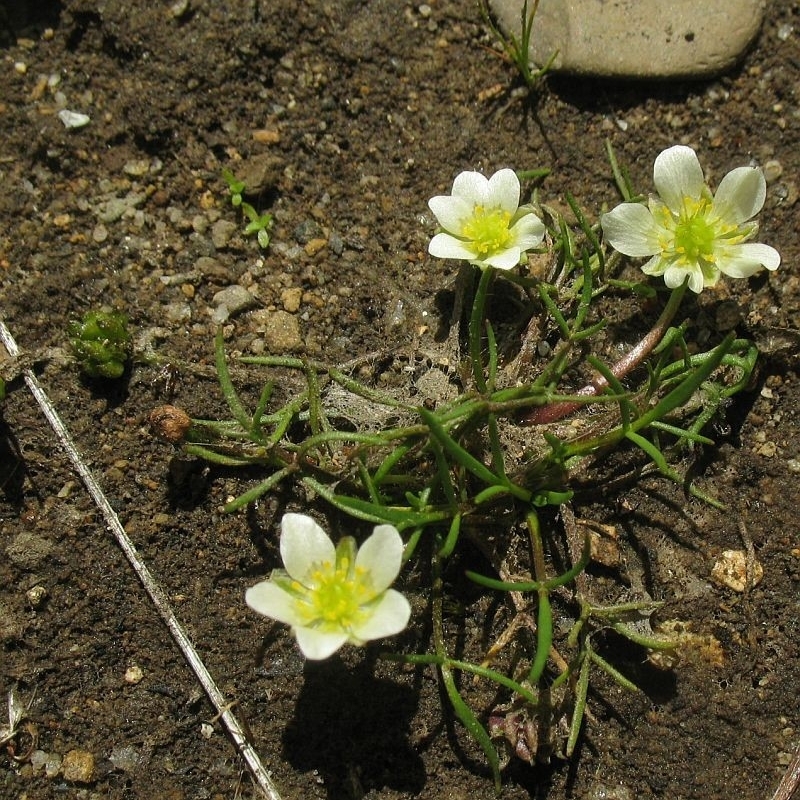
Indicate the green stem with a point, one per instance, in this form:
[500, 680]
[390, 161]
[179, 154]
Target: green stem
[476, 325]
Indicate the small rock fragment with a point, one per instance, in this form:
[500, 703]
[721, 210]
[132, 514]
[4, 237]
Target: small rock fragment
[281, 331]
[78, 766]
[231, 301]
[290, 298]
[730, 570]
[50, 762]
[36, 596]
[126, 758]
[134, 674]
[73, 119]
[222, 231]
[604, 543]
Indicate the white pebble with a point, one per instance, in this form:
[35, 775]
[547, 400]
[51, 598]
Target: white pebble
[73, 119]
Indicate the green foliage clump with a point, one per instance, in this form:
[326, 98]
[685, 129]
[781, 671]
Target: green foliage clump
[101, 343]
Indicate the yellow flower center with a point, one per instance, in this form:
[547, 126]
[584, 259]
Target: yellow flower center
[335, 596]
[487, 230]
[692, 234]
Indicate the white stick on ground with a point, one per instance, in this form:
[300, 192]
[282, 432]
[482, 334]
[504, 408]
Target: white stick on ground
[157, 594]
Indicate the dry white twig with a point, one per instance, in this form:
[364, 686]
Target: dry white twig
[157, 594]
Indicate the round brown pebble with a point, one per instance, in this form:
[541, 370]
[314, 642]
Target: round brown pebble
[170, 423]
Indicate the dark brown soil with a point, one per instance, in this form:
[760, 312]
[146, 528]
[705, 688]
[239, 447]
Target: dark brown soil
[357, 113]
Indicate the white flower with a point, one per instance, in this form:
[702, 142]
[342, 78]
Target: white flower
[332, 595]
[483, 223]
[688, 232]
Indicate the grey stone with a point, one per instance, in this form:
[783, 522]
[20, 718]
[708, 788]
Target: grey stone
[637, 38]
[231, 301]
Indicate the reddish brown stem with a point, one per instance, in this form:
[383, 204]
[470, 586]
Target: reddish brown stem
[553, 412]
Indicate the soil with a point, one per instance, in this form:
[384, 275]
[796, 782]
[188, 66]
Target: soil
[347, 116]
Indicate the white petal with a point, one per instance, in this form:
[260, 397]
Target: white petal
[443, 245]
[505, 259]
[304, 544]
[528, 232]
[677, 174]
[740, 195]
[269, 599]
[381, 555]
[451, 212]
[655, 266]
[504, 190]
[631, 229]
[675, 276]
[471, 186]
[744, 260]
[317, 645]
[390, 616]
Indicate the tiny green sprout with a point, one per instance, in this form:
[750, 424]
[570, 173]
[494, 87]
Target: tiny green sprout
[517, 49]
[235, 186]
[101, 343]
[259, 224]
[2, 390]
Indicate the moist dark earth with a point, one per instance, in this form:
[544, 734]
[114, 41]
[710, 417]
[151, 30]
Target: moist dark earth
[345, 117]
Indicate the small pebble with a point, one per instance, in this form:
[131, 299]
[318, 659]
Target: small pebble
[36, 596]
[78, 766]
[773, 170]
[50, 762]
[170, 423]
[222, 231]
[179, 9]
[231, 301]
[137, 168]
[313, 246]
[280, 329]
[290, 299]
[73, 119]
[126, 758]
[134, 674]
[730, 570]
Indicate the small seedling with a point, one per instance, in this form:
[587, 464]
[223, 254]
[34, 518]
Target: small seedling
[517, 49]
[101, 343]
[257, 223]
[235, 186]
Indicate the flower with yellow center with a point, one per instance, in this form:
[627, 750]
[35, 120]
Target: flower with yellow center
[689, 234]
[482, 221]
[332, 595]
